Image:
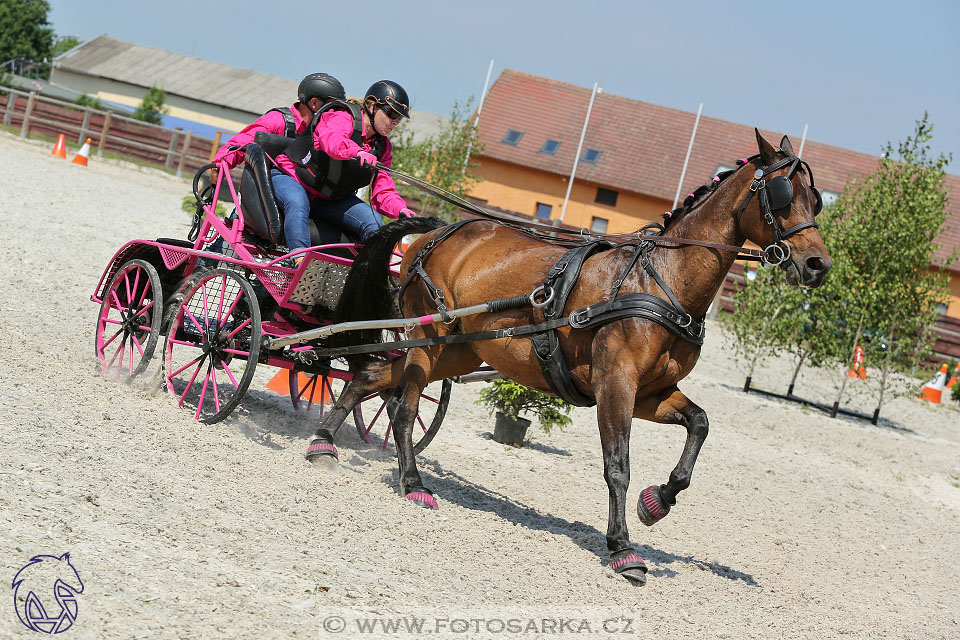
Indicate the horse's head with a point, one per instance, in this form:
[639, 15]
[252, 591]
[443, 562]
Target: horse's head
[778, 214]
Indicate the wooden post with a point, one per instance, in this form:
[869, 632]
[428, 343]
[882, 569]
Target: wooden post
[216, 145]
[183, 154]
[171, 149]
[103, 134]
[25, 127]
[84, 126]
[11, 105]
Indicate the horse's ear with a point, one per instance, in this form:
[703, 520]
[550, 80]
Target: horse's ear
[786, 147]
[768, 155]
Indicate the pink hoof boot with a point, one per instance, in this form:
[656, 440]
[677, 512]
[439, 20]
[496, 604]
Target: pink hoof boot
[650, 507]
[423, 499]
[630, 565]
[320, 448]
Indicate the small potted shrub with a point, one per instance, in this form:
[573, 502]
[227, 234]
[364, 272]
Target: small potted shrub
[509, 399]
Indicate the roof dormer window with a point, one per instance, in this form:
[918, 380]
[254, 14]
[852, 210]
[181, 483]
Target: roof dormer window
[550, 147]
[590, 156]
[513, 137]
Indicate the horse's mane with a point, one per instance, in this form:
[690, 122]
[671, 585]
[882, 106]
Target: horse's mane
[696, 197]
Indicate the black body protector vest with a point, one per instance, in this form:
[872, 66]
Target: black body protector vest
[334, 179]
[289, 122]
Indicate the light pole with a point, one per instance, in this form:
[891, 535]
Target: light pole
[576, 159]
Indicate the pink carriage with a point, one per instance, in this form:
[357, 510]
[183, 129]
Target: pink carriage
[215, 321]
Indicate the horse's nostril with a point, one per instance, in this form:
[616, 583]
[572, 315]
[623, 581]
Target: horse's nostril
[815, 264]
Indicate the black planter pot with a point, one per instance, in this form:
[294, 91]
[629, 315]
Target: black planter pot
[509, 431]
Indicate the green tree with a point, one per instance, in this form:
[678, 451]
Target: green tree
[153, 107]
[882, 233]
[439, 160]
[64, 44]
[765, 318]
[25, 32]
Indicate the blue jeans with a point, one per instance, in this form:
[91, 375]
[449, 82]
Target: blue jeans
[351, 214]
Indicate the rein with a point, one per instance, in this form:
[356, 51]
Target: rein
[528, 227]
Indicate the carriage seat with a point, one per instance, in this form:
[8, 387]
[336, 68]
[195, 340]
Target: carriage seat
[261, 215]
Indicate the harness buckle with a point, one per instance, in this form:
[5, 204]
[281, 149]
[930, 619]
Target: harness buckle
[688, 318]
[758, 183]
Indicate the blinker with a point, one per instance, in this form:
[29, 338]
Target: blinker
[779, 192]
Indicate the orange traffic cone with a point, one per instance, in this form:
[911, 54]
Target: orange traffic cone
[933, 390]
[280, 383]
[83, 155]
[60, 149]
[859, 371]
[953, 379]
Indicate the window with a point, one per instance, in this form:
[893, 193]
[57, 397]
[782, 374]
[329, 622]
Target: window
[599, 225]
[550, 147]
[829, 197]
[606, 196]
[543, 210]
[513, 137]
[590, 156]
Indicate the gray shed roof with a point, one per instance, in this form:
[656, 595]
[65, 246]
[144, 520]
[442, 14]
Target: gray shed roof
[196, 79]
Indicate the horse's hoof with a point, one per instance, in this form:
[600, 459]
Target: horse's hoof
[651, 508]
[630, 565]
[321, 452]
[423, 499]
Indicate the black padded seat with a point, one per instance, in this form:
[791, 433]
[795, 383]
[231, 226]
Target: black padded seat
[261, 213]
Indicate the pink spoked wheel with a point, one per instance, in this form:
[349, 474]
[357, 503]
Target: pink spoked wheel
[371, 419]
[128, 326]
[314, 390]
[213, 344]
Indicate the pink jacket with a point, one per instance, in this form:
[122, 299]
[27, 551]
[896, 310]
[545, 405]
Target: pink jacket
[332, 136]
[271, 122]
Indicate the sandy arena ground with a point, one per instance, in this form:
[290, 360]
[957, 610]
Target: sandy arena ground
[796, 525]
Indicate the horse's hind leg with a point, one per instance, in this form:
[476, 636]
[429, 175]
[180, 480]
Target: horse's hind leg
[673, 407]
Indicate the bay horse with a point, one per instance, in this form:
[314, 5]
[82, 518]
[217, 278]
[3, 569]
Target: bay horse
[629, 365]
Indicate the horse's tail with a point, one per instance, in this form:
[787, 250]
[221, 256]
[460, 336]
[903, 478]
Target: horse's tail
[368, 293]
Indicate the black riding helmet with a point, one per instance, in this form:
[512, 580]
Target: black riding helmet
[320, 85]
[388, 93]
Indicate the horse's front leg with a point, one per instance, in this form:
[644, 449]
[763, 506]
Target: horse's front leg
[672, 407]
[373, 377]
[615, 395]
[406, 403]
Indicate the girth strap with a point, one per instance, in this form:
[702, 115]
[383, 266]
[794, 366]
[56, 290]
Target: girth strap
[561, 279]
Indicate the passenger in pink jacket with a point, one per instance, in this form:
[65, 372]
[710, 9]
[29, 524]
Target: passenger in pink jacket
[321, 170]
[314, 91]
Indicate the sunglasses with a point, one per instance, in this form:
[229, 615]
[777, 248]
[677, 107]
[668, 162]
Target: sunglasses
[391, 113]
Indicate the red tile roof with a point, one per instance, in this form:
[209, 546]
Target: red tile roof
[643, 145]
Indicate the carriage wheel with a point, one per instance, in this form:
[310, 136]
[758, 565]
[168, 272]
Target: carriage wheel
[128, 326]
[319, 389]
[213, 344]
[370, 415]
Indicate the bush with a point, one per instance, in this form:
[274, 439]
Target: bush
[189, 205]
[512, 398]
[153, 107]
[89, 101]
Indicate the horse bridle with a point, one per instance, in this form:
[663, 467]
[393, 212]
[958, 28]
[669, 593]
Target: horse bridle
[776, 194]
